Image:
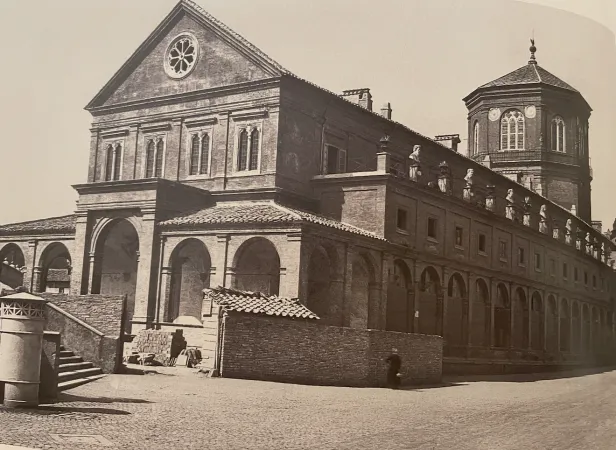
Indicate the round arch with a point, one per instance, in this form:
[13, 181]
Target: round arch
[586, 344]
[565, 326]
[430, 297]
[502, 317]
[257, 267]
[363, 278]
[520, 319]
[190, 265]
[400, 298]
[12, 265]
[537, 325]
[576, 332]
[455, 328]
[55, 266]
[322, 269]
[480, 314]
[552, 324]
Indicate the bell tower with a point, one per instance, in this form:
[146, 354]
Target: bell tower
[532, 127]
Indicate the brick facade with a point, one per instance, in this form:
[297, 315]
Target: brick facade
[277, 349]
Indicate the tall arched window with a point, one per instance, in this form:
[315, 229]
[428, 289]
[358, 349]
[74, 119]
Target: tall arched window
[254, 150]
[476, 138]
[109, 165]
[194, 154]
[158, 170]
[117, 163]
[558, 134]
[205, 154]
[243, 151]
[149, 159]
[512, 131]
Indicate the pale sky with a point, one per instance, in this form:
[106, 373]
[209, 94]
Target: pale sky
[423, 56]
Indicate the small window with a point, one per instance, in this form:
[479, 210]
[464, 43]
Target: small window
[565, 271]
[334, 160]
[575, 274]
[432, 227]
[482, 243]
[537, 261]
[502, 249]
[459, 235]
[401, 223]
[594, 282]
[586, 278]
[552, 267]
[521, 256]
[61, 290]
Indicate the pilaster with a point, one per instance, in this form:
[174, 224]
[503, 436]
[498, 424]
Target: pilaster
[144, 292]
[80, 260]
[30, 263]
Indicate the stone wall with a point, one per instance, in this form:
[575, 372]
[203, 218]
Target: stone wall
[103, 312]
[163, 344]
[297, 351]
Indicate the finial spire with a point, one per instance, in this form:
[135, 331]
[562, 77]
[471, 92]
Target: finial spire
[533, 50]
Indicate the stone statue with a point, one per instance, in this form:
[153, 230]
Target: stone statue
[568, 228]
[469, 177]
[509, 209]
[588, 241]
[414, 164]
[467, 193]
[543, 219]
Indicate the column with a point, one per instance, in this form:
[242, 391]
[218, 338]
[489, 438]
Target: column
[546, 318]
[348, 287]
[91, 264]
[165, 294]
[290, 266]
[469, 303]
[493, 294]
[220, 258]
[30, 263]
[145, 266]
[80, 260]
[93, 162]
[441, 305]
[557, 324]
[159, 311]
[36, 280]
[416, 294]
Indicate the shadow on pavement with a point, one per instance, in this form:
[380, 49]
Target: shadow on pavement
[529, 377]
[78, 398]
[47, 410]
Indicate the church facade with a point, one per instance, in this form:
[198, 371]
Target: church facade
[212, 165]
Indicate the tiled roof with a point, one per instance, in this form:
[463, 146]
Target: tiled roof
[258, 213]
[58, 275]
[258, 303]
[63, 224]
[529, 74]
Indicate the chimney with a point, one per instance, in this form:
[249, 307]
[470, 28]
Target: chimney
[597, 225]
[449, 140]
[361, 97]
[386, 110]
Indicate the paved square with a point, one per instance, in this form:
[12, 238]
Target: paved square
[177, 408]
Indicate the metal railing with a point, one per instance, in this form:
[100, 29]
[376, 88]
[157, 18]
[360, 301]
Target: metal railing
[531, 155]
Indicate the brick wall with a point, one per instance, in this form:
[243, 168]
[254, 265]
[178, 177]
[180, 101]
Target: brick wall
[103, 312]
[264, 348]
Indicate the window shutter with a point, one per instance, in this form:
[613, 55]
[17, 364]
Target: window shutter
[325, 166]
[342, 161]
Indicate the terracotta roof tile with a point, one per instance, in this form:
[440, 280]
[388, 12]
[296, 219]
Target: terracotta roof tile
[258, 303]
[529, 74]
[63, 224]
[258, 213]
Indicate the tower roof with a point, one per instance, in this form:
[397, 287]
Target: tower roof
[532, 73]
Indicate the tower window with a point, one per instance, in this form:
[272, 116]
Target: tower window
[154, 157]
[476, 139]
[512, 131]
[558, 134]
[113, 166]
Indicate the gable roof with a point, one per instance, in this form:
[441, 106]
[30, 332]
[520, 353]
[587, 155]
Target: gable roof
[258, 303]
[62, 224]
[200, 15]
[258, 213]
[531, 73]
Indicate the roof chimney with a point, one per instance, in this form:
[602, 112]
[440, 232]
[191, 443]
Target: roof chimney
[386, 111]
[449, 140]
[361, 97]
[598, 225]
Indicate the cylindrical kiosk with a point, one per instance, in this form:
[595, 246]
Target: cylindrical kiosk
[22, 323]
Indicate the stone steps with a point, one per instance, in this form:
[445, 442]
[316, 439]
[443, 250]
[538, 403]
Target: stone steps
[73, 371]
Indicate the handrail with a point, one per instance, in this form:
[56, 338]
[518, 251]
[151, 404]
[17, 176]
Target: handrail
[75, 319]
[530, 155]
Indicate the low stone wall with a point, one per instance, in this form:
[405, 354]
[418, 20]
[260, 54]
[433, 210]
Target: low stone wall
[298, 351]
[163, 344]
[103, 312]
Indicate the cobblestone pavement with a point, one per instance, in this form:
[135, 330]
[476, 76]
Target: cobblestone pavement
[179, 409]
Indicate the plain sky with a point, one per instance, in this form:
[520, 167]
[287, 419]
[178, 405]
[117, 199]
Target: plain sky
[423, 56]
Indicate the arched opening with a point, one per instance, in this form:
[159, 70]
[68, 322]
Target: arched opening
[480, 305]
[576, 332]
[429, 298]
[585, 345]
[55, 266]
[455, 328]
[320, 272]
[12, 266]
[399, 298]
[502, 317]
[362, 279]
[190, 274]
[537, 322]
[257, 267]
[552, 325]
[565, 326]
[596, 329]
[115, 264]
[520, 319]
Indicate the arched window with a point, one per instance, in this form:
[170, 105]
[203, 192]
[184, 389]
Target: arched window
[194, 154]
[117, 163]
[476, 138]
[205, 154]
[558, 134]
[254, 149]
[149, 159]
[158, 170]
[243, 151]
[109, 165]
[512, 131]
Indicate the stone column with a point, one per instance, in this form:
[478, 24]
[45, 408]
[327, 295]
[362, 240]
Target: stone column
[165, 291]
[93, 163]
[290, 269]
[80, 262]
[470, 301]
[23, 324]
[159, 292]
[30, 263]
[557, 324]
[91, 264]
[144, 291]
[220, 258]
[493, 294]
[348, 287]
[36, 280]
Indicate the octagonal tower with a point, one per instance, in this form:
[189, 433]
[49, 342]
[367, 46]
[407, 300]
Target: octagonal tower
[532, 127]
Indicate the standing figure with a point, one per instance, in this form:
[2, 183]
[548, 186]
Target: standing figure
[509, 209]
[568, 232]
[543, 219]
[393, 371]
[467, 193]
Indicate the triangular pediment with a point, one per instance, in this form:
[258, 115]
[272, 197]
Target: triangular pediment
[216, 56]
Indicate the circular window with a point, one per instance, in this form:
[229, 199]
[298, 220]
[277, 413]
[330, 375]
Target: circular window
[181, 56]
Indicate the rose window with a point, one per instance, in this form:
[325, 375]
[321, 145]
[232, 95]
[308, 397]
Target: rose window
[181, 57]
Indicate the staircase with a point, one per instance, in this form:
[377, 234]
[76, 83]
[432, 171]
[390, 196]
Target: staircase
[74, 371]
